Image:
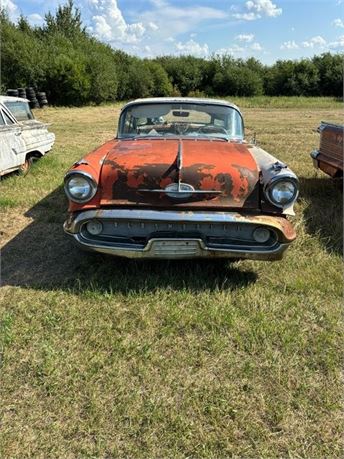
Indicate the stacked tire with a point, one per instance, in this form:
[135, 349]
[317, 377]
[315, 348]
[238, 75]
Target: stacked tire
[31, 95]
[22, 93]
[12, 92]
[36, 100]
[42, 99]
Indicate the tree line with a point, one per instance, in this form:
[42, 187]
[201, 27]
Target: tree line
[74, 68]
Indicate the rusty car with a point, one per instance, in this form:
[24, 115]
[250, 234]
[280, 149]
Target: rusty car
[22, 137]
[180, 181]
[329, 156]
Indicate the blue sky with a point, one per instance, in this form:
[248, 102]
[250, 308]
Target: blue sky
[266, 29]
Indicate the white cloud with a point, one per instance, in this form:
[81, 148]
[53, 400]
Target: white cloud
[256, 47]
[255, 9]
[193, 48]
[338, 23]
[152, 26]
[35, 19]
[234, 50]
[314, 42]
[11, 8]
[173, 20]
[339, 43]
[108, 23]
[156, 27]
[247, 38]
[264, 7]
[245, 16]
[289, 45]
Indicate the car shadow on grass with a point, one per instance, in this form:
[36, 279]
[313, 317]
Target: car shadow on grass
[324, 212]
[41, 256]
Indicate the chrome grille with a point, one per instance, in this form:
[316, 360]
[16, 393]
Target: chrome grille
[137, 234]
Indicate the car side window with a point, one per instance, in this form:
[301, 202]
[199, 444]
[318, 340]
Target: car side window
[7, 118]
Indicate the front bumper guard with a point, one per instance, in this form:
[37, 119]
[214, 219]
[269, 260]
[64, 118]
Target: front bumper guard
[182, 248]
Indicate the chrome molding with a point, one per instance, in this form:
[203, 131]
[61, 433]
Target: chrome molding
[181, 249]
[73, 224]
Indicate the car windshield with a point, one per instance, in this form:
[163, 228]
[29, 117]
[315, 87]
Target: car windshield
[181, 119]
[20, 110]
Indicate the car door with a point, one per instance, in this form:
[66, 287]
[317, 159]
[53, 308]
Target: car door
[12, 144]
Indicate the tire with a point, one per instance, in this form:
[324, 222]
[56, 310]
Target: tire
[34, 103]
[12, 92]
[24, 168]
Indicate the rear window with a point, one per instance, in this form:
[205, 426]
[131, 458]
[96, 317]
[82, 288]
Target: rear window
[21, 110]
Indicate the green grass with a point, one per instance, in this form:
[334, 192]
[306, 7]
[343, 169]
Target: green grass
[103, 357]
[288, 102]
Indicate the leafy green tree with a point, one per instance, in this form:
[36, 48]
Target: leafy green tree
[67, 75]
[75, 68]
[160, 85]
[102, 72]
[23, 61]
[305, 79]
[330, 68]
[66, 21]
[184, 72]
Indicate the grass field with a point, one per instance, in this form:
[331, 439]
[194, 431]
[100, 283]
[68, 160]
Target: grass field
[104, 357]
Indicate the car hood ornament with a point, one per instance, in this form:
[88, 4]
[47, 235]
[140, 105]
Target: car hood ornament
[179, 190]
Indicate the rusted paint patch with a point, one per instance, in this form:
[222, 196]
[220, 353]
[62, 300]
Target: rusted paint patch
[154, 167]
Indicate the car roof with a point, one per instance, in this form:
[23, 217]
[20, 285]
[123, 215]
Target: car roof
[192, 100]
[12, 99]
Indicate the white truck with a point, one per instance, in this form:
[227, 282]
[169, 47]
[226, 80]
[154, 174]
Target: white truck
[22, 137]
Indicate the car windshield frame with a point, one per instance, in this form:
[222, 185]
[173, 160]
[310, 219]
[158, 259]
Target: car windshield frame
[168, 120]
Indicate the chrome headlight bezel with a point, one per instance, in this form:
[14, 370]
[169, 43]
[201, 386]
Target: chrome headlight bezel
[90, 180]
[276, 181]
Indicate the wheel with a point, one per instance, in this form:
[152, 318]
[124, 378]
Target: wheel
[25, 167]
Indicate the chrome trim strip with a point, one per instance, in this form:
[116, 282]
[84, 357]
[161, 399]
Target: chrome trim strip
[73, 223]
[148, 251]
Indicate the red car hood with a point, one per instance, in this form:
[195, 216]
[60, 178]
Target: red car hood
[134, 172]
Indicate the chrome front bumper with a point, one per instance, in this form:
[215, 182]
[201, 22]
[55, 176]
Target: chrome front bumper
[181, 247]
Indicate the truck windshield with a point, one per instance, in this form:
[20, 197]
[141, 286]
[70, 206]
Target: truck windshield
[181, 119]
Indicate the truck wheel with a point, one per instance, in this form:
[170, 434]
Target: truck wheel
[25, 167]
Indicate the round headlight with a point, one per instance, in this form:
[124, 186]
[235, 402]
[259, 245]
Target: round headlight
[80, 187]
[282, 192]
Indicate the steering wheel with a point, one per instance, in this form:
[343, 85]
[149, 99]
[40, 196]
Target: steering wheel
[212, 128]
[181, 128]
